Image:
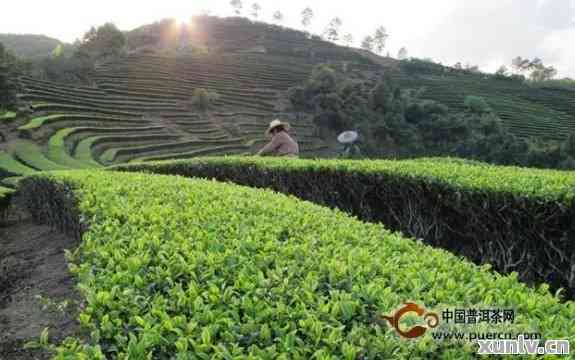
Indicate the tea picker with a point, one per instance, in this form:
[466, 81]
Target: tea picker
[350, 148]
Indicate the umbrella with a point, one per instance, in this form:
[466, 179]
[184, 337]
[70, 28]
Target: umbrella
[347, 137]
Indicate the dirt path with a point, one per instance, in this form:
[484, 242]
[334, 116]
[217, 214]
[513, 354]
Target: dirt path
[32, 264]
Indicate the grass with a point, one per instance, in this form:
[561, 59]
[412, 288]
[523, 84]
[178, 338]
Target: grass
[172, 267]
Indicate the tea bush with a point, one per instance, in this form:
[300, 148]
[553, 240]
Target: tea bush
[5, 198]
[517, 219]
[176, 269]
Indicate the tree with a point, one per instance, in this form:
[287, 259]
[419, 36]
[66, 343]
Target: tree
[568, 146]
[536, 63]
[502, 71]
[477, 105]
[306, 17]
[402, 54]
[521, 65]
[103, 41]
[237, 5]
[331, 33]
[57, 52]
[516, 63]
[539, 72]
[278, 17]
[204, 99]
[543, 73]
[367, 43]
[348, 39]
[472, 68]
[256, 10]
[379, 39]
[8, 86]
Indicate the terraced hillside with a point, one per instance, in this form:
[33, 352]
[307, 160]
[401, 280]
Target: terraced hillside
[139, 108]
[526, 111]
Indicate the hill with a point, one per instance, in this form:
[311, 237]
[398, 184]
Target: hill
[139, 106]
[29, 46]
[526, 110]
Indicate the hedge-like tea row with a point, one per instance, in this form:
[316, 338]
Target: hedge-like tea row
[12, 166]
[516, 219]
[7, 116]
[173, 268]
[5, 198]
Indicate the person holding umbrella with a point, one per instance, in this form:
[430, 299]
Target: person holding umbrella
[348, 140]
[281, 143]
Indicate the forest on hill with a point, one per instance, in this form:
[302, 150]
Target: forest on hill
[29, 46]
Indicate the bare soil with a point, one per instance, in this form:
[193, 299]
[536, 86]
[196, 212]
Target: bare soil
[32, 264]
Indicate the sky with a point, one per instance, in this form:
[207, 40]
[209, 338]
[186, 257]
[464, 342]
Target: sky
[487, 33]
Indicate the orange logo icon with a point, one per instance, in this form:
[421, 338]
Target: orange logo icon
[431, 319]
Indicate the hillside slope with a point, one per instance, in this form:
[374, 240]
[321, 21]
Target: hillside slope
[138, 107]
[28, 45]
[527, 111]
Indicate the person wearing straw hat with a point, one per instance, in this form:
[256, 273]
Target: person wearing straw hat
[281, 144]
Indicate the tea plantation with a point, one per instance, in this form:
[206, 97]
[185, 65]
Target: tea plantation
[177, 268]
[138, 106]
[188, 248]
[526, 111]
[138, 110]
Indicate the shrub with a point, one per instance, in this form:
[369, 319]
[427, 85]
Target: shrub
[421, 66]
[5, 199]
[172, 268]
[203, 99]
[517, 219]
[564, 84]
[476, 104]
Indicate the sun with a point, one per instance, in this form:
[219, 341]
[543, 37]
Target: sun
[184, 19]
[185, 22]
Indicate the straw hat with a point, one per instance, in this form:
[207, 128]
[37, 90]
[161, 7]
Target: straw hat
[275, 123]
[347, 137]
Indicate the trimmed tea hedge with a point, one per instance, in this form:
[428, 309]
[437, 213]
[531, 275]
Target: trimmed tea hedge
[7, 116]
[58, 151]
[12, 166]
[38, 122]
[31, 155]
[178, 269]
[514, 218]
[5, 198]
